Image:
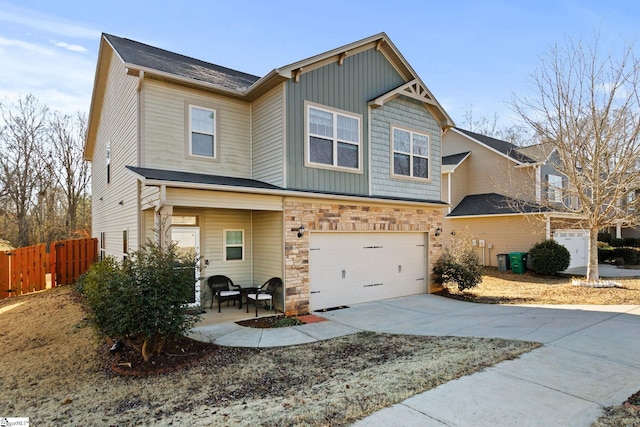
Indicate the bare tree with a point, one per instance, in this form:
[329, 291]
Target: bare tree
[71, 172]
[585, 105]
[22, 136]
[516, 133]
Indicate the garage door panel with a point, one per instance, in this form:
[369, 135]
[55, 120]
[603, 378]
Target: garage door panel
[350, 268]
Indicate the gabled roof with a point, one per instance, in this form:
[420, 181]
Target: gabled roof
[538, 152]
[140, 59]
[149, 176]
[142, 56]
[493, 204]
[451, 162]
[503, 147]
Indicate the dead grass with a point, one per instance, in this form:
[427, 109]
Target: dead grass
[50, 372]
[507, 288]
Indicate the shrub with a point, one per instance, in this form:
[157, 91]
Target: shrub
[462, 268]
[549, 257]
[631, 242]
[616, 243]
[143, 299]
[604, 237]
[287, 321]
[631, 256]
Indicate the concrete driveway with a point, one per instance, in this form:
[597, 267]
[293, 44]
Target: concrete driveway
[590, 360]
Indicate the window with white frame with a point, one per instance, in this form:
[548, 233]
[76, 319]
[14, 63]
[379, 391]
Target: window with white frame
[333, 138]
[202, 131]
[410, 153]
[554, 188]
[234, 245]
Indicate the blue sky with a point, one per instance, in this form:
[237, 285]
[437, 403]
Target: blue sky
[468, 53]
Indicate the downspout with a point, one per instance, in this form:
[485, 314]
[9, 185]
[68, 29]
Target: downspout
[449, 191]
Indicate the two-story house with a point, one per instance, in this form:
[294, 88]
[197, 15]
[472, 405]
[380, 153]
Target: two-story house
[502, 197]
[325, 172]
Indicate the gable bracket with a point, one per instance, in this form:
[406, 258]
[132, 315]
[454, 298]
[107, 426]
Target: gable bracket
[341, 57]
[297, 73]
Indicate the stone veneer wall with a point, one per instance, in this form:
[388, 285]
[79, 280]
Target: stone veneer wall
[335, 216]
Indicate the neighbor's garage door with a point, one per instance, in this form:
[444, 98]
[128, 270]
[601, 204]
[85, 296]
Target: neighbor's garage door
[350, 268]
[576, 242]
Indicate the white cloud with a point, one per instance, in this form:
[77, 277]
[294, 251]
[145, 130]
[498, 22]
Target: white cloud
[62, 79]
[25, 46]
[46, 23]
[71, 47]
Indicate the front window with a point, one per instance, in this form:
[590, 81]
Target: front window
[202, 131]
[334, 138]
[410, 154]
[554, 188]
[234, 245]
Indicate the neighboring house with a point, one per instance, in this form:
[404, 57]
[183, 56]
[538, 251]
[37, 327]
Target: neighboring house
[486, 181]
[324, 172]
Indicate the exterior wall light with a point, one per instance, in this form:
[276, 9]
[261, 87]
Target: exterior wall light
[438, 231]
[301, 231]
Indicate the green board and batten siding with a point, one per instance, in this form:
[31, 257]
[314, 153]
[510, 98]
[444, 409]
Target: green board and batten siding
[408, 114]
[348, 87]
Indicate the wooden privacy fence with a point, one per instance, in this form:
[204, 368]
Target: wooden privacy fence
[34, 268]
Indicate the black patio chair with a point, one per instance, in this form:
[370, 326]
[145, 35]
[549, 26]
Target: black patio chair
[264, 293]
[223, 288]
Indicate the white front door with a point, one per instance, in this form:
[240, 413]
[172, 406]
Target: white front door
[188, 241]
[350, 268]
[576, 242]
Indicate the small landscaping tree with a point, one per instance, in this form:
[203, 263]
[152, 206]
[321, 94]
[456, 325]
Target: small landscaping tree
[458, 264]
[143, 299]
[549, 257]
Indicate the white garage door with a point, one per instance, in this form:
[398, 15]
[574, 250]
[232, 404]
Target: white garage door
[576, 242]
[350, 268]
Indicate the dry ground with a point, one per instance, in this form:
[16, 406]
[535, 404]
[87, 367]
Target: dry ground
[507, 288]
[50, 371]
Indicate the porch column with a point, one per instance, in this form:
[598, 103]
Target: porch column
[618, 230]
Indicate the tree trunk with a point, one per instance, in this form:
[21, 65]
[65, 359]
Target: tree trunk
[592, 266]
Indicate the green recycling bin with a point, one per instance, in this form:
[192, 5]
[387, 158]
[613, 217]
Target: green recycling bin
[518, 262]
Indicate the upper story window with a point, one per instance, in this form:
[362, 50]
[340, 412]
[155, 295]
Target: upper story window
[333, 138]
[410, 153]
[554, 188]
[202, 131]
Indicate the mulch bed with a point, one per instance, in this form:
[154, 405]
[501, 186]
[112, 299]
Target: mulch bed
[178, 353]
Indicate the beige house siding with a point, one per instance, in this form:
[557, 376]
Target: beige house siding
[330, 215]
[165, 131]
[268, 133]
[118, 128]
[268, 253]
[505, 234]
[487, 171]
[213, 224]
[222, 199]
